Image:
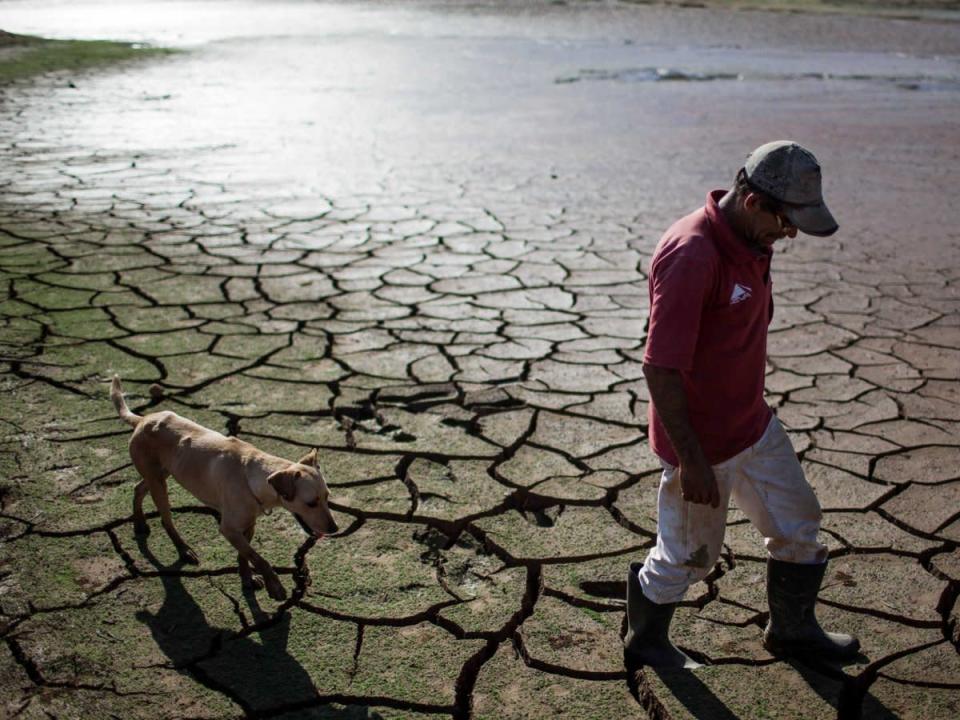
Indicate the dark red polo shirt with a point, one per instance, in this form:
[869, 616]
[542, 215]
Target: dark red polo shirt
[710, 305]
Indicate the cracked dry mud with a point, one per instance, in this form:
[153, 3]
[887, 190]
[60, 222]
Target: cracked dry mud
[468, 362]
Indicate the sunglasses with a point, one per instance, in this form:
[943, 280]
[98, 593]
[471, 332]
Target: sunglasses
[774, 206]
[783, 223]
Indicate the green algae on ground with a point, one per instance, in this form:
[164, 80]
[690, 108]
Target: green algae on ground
[23, 55]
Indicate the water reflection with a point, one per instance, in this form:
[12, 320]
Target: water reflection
[325, 101]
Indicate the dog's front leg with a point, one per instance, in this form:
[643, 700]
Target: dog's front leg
[247, 578]
[247, 554]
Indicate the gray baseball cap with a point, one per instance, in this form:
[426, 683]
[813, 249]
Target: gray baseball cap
[790, 173]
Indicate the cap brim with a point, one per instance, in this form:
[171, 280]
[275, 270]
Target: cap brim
[812, 220]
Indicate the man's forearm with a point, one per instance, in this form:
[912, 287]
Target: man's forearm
[670, 400]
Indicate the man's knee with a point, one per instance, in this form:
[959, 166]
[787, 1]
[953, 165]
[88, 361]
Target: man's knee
[808, 515]
[665, 578]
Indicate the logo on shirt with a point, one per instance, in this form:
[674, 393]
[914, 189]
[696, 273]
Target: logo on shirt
[740, 293]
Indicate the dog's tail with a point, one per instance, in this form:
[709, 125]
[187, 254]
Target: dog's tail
[116, 394]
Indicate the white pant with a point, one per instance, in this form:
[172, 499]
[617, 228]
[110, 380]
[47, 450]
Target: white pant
[768, 485]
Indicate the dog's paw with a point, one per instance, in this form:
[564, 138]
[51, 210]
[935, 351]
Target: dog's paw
[188, 556]
[251, 583]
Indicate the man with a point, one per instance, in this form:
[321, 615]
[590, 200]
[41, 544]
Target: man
[705, 360]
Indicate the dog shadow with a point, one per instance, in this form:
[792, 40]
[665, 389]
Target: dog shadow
[258, 675]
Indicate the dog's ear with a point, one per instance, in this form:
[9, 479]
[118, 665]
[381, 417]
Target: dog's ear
[285, 483]
[310, 459]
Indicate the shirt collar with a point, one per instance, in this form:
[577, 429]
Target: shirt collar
[727, 241]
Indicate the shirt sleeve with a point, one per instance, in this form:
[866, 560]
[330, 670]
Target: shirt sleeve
[680, 284]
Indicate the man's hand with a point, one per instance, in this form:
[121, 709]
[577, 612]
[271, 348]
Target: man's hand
[698, 484]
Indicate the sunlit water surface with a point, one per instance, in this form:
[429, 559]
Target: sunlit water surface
[607, 105]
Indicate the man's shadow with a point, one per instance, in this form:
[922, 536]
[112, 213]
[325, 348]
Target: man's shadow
[257, 676]
[688, 689]
[691, 692]
[850, 702]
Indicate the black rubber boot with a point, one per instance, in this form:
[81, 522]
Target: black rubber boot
[793, 629]
[647, 641]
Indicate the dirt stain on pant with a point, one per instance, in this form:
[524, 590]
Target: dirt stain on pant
[699, 558]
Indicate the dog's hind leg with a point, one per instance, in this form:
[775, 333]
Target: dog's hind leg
[140, 526]
[248, 580]
[150, 472]
[160, 499]
[155, 479]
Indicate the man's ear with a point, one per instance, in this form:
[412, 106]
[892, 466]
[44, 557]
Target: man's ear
[751, 201]
[310, 459]
[285, 483]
